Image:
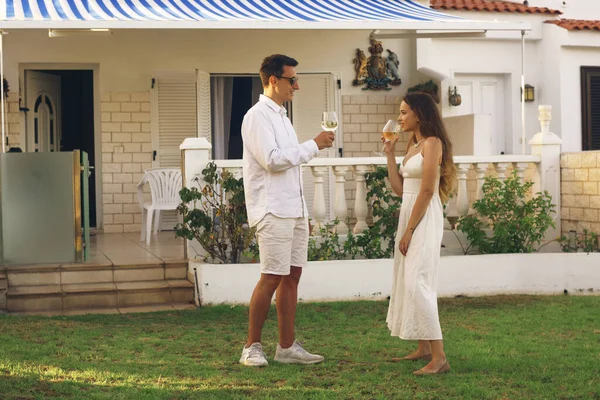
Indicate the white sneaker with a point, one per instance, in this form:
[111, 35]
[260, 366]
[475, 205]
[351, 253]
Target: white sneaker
[254, 356]
[296, 355]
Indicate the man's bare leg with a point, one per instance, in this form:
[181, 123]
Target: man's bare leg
[286, 300]
[288, 350]
[260, 304]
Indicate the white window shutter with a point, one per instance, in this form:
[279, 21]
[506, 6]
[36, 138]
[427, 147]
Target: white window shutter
[315, 96]
[203, 99]
[175, 115]
[174, 118]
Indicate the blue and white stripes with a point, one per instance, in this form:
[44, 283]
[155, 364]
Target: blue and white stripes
[219, 10]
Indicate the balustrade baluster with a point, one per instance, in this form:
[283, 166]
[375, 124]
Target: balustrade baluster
[340, 207]
[361, 209]
[521, 167]
[501, 168]
[480, 169]
[319, 206]
[462, 198]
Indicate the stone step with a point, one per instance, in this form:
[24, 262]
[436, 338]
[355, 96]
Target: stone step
[73, 296]
[65, 274]
[34, 298]
[3, 289]
[113, 310]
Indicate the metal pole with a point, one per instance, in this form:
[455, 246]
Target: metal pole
[523, 92]
[2, 101]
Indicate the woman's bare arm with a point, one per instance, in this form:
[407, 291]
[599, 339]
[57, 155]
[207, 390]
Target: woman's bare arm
[394, 176]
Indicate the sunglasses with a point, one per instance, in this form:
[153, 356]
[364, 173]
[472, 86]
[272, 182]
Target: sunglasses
[292, 81]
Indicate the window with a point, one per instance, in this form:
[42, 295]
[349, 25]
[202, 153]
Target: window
[43, 125]
[590, 107]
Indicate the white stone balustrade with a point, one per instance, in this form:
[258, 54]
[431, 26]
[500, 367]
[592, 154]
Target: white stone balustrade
[334, 172]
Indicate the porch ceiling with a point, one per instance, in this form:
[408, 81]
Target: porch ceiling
[235, 14]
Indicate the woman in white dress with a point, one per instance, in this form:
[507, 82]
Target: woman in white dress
[424, 181]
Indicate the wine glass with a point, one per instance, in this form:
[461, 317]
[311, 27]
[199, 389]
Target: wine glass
[330, 121]
[390, 131]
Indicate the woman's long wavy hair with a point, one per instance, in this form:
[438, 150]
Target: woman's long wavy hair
[431, 124]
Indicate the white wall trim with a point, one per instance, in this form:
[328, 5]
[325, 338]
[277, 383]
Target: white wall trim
[474, 275]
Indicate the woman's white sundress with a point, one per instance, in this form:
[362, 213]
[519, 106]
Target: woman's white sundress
[413, 311]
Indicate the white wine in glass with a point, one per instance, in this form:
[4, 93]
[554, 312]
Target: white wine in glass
[390, 131]
[330, 121]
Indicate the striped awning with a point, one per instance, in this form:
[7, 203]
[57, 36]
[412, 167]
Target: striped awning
[225, 13]
[219, 10]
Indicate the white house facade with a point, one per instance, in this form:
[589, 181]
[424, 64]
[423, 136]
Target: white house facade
[129, 92]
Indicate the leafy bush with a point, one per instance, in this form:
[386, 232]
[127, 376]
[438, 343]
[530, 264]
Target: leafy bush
[386, 207]
[215, 215]
[517, 225]
[327, 246]
[586, 242]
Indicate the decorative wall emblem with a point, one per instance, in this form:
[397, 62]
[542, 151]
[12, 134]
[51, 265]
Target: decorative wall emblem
[376, 71]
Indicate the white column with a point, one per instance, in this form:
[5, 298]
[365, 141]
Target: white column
[501, 168]
[319, 206]
[547, 145]
[361, 209]
[195, 155]
[340, 207]
[462, 198]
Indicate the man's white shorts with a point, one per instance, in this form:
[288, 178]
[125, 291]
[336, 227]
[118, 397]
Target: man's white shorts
[282, 242]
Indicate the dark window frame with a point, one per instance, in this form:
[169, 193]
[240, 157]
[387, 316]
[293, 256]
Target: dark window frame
[586, 116]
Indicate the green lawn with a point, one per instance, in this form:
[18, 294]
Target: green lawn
[508, 347]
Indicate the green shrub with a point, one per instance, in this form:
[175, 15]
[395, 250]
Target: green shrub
[215, 215]
[586, 242]
[505, 221]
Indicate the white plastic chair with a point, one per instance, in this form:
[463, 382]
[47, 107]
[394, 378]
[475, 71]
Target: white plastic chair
[165, 184]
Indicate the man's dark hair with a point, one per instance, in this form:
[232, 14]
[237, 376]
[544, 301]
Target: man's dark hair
[273, 66]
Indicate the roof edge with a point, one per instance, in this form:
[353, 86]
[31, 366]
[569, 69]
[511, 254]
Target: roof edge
[490, 6]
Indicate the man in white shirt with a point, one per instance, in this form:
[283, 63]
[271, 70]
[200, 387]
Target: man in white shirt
[276, 206]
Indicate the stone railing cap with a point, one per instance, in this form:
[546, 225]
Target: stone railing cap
[195, 144]
[351, 161]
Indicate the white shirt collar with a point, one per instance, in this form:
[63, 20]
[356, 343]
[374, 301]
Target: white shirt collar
[274, 106]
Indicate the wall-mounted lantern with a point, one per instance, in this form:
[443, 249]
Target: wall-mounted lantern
[529, 93]
[453, 97]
